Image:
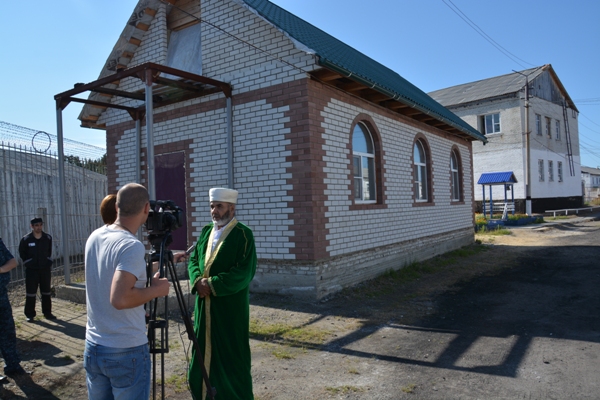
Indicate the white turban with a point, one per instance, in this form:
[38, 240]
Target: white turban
[223, 194]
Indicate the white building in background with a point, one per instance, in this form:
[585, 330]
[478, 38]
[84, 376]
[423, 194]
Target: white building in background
[496, 108]
[590, 180]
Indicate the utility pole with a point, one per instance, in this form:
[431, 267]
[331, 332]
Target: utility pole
[527, 149]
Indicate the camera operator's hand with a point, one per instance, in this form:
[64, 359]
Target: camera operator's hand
[162, 285]
[202, 287]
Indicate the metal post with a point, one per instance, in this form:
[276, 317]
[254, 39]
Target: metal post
[512, 197]
[527, 146]
[528, 150]
[151, 184]
[491, 203]
[483, 202]
[138, 150]
[229, 143]
[63, 200]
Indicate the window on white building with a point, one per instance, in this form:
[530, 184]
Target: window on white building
[559, 170]
[492, 123]
[363, 158]
[550, 171]
[557, 129]
[538, 124]
[549, 127]
[541, 170]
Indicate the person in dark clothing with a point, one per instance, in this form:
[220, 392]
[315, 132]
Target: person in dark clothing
[8, 335]
[35, 250]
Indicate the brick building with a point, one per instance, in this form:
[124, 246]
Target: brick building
[345, 170]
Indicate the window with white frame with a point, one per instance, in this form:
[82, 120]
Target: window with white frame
[549, 127]
[363, 158]
[559, 170]
[541, 170]
[492, 123]
[550, 171]
[455, 174]
[557, 129]
[538, 124]
[421, 182]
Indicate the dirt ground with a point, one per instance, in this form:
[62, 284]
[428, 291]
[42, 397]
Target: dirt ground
[512, 317]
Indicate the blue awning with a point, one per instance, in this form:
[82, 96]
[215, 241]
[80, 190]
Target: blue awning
[497, 178]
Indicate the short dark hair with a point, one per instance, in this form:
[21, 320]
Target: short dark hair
[131, 199]
[36, 220]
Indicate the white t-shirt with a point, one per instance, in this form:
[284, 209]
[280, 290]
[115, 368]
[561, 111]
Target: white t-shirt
[106, 251]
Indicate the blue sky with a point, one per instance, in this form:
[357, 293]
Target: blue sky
[47, 46]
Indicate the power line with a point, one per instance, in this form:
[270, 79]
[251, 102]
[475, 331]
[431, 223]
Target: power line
[588, 120]
[487, 37]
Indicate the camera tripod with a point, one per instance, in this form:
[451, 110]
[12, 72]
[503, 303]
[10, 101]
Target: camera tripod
[160, 345]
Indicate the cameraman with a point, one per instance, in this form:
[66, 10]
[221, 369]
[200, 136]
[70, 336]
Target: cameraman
[116, 356]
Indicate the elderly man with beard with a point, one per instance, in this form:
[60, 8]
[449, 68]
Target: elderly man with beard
[221, 267]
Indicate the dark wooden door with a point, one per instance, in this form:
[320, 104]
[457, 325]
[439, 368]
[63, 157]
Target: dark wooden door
[169, 174]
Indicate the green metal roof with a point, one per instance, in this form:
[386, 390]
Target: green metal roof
[338, 56]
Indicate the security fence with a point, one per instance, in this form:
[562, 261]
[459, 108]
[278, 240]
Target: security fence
[29, 187]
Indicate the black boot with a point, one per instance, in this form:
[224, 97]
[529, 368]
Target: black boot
[30, 308]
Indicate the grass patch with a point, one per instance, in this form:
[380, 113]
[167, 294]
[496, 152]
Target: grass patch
[409, 388]
[388, 282]
[344, 389]
[499, 231]
[283, 355]
[303, 336]
[558, 217]
[178, 382]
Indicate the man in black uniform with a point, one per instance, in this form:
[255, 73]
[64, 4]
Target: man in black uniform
[35, 250]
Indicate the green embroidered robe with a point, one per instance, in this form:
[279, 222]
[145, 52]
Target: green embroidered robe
[226, 312]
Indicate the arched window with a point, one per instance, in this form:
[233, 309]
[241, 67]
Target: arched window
[421, 182]
[455, 176]
[363, 159]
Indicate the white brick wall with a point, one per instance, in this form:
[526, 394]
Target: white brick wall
[240, 62]
[353, 231]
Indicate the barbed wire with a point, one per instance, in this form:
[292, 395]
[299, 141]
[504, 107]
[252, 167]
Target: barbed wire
[44, 142]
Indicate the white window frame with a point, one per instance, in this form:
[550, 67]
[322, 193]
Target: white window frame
[557, 129]
[456, 189]
[541, 171]
[494, 120]
[538, 124]
[420, 178]
[550, 171]
[363, 167]
[549, 127]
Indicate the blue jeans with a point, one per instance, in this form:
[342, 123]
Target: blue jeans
[119, 374]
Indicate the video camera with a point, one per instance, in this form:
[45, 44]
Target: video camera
[164, 216]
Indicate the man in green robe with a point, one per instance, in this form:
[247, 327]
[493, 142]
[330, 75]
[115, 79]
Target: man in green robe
[221, 267]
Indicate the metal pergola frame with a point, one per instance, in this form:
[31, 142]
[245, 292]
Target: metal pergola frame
[159, 91]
